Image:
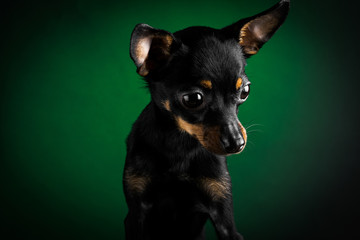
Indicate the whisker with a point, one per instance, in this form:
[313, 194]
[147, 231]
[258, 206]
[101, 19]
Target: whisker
[251, 121]
[253, 125]
[252, 144]
[254, 130]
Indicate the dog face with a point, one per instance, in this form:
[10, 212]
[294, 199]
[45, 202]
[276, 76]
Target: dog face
[197, 75]
[205, 92]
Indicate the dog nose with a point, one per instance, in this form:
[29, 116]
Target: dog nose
[231, 137]
[233, 146]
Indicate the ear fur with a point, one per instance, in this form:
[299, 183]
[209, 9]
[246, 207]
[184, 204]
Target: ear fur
[150, 48]
[253, 32]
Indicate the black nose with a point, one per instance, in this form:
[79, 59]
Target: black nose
[234, 145]
[231, 137]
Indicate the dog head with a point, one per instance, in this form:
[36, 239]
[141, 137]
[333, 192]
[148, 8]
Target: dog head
[198, 74]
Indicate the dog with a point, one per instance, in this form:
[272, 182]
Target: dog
[175, 175]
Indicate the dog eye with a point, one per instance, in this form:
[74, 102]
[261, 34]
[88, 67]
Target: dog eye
[245, 92]
[192, 100]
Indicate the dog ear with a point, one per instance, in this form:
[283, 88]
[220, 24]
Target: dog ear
[150, 48]
[253, 32]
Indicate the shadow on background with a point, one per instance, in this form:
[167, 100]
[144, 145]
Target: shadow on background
[69, 94]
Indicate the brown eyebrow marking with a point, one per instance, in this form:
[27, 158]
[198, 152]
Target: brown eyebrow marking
[238, 83]
[166, 105]
[206, 84]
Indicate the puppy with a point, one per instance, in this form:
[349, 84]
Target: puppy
[176, 175]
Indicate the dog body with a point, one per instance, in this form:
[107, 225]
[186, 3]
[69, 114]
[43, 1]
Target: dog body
[176, 175]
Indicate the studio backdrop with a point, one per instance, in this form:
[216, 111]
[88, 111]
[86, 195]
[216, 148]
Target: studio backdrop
[70, 93]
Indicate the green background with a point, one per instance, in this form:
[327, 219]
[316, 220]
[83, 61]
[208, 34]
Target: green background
[70, 93]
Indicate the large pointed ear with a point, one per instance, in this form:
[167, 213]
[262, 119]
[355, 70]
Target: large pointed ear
[253, 32]
[150, 48]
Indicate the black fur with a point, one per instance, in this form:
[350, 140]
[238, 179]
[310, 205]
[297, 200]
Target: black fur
[174, 181]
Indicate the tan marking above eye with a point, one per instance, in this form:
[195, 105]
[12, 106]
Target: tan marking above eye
[238, 83]
[166, 105]
[215, 188]
[206, 84]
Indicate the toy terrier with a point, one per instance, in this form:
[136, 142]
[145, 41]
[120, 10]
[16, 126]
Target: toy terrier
[176, 175]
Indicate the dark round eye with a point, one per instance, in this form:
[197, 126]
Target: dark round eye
[245, 92]
[193, 100]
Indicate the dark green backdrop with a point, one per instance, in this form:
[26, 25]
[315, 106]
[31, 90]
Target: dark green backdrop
[69, 94]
